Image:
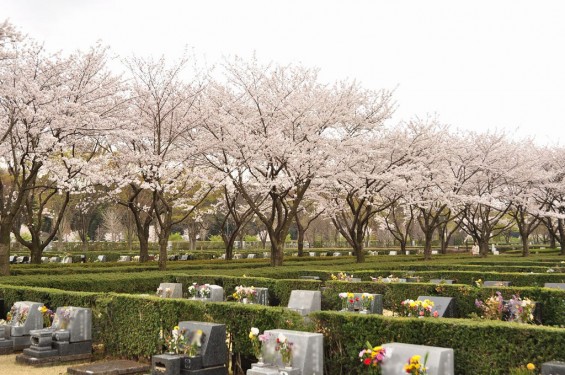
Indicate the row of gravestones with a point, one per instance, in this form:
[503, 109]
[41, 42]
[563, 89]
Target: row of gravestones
[174, 290]
[69, 337]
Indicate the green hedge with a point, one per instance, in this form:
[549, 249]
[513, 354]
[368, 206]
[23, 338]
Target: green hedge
[481, 347]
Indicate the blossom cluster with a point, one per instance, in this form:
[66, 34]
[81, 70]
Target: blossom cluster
[242, 292]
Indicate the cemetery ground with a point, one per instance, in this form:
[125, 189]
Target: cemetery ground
[128, 315]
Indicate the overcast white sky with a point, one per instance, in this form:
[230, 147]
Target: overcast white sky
[481, 65]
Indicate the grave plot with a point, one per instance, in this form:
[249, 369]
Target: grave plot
[200, 349]
[68, 339]
[290, 352]
[24, 317]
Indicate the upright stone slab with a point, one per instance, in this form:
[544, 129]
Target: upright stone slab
[441, 281]
[445, 306]
[175, 290]
[214, 351]
[262, 297]
[496, 283]
[67, 260]
[33, 321]
[124, 258]
[305, 301]
[553, 368]
[216, 294]
[307, 351]
[440, 360]
[101, 258]
[554, 285]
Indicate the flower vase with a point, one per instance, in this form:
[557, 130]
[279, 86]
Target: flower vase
[244, 301]
[260, 361]
[287, 361]
[364, 311]
[193, 297]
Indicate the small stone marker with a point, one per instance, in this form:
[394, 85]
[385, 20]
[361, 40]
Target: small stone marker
[441, 281]
[101, 258]
[440, 360]
[305, 301]
[445, 306]
[496, 283]
[262, 297]
[554, 285]
[392, 252]
[122, 367]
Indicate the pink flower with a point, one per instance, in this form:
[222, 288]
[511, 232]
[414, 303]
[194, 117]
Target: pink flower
[436, 314]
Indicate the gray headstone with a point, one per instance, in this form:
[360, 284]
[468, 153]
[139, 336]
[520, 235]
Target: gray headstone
[184, 257]
[33, 321]
[305, 301]
[392, 252]
[54, 260]
[44, 260]
[174, 288]
[124, 258]
[216, 294]
[441, 281]
[310, 277]
[101, 258]
[445, 306]
[496, 283]
[307, 351]
[376, 306]
[262, 297]
[67, 260]
[250, 256]
[440, 360]
[554, 285]
[78, 323]
[553, 368]
[213, 350]
[312, 254]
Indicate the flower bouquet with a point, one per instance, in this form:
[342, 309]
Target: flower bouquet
[284, 347]
[205, 291]
[520, 310]
[245, 294]
[193, 290]
[415, 367]
[176, 342]
[367, 300]
[372, 358]
[166, 293]
[257, 341]
[409, 307]
[47, 316]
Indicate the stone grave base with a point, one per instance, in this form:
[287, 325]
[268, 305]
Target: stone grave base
[52, 361]
[6, 346]
[21, 342]
[118, 367]
[218, 370]
[271, 370]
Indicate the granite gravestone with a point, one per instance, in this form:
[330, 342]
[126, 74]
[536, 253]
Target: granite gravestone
[25, 317]
[170, 290]
[262, 296]
[216, 293]
[440, 360]
[441, 281]
[553, 368]
[554, 285]
[307, 354]
[68, 339]
[211, 358]
[445, 306]
[375, 307]
[496, 283]
[305, 301]
[101, 258]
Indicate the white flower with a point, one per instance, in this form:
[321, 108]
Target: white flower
[255, 331]
[281, 337]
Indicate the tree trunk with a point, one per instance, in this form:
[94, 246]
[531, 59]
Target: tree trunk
[163, 241]
[300, 242]
[524, 236]
[403, 247]
[277, 252]
[143, 247]
[483, 246]
[5, 249]
[35, 252]
[561, 236]
[428, 237]
[359, 253]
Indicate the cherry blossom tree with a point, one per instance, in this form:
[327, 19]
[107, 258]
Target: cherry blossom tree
[273, 130]
[157, 161]
[490, 161]
[54, 108]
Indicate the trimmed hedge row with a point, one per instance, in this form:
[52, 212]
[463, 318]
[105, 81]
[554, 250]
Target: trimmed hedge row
[552, 300]
[129, 326]
[481, 347]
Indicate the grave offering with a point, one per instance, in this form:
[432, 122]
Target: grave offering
[207, 352]
[305, 301]
[169, 290]
[440, 360]
[445, 306]
[68, 339]
[23, 317]
[306, 354]
[496, 283]
[363, 303]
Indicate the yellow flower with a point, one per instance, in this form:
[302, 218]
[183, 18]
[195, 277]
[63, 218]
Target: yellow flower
[530, 366]
[251, 335]
[350, 295]
[412, 304]
[176, 328]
